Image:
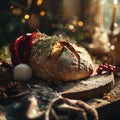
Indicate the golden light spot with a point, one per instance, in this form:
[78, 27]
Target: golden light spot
[39, 2]
[80, 23]
[112, 47]
[11, 7]
[27, 16]
[42, 13]
[71, 27]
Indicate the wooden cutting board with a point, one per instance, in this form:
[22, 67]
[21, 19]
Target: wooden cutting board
[92, 87]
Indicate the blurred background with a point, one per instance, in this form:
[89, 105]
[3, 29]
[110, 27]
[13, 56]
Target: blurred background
[87, 21]
[76, 18]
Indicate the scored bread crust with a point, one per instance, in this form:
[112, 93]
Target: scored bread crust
[64, 61]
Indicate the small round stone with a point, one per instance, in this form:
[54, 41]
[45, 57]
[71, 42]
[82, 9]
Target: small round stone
[22, 72]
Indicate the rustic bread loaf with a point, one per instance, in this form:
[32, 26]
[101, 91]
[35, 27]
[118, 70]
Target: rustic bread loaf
[59, 59]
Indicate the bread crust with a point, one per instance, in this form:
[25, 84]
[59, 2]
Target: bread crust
[64, 61]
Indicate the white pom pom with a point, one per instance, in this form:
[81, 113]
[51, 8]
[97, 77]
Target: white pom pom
[22, 72]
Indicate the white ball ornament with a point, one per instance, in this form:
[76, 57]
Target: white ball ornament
[22, 72]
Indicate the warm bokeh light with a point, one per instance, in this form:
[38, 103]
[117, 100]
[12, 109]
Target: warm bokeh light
[80, 23]
[115, 2]
[112, 47]
[11, 7]
[39, 2]
[42, 13]
[27, 16]
[71, 27]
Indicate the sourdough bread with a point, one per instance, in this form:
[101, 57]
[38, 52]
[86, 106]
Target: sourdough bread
[59, 59]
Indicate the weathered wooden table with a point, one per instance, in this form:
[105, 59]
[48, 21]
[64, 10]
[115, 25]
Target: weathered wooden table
[107, 105]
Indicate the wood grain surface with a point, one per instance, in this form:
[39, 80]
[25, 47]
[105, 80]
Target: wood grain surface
[94, 86]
